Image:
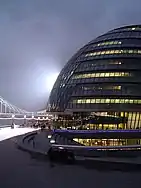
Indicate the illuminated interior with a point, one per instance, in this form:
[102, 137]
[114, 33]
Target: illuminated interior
[108, 52]
[108, 43]
[108, 87]
[107, 142]
[102, 74]
[113, 120]
[105, 100]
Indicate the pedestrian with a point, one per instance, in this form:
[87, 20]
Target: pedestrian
[33, 143]
[51, 157]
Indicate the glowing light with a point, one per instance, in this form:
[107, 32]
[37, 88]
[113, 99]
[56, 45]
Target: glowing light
[52, 141]
[49, 136]
[51, 78]
[61, 148]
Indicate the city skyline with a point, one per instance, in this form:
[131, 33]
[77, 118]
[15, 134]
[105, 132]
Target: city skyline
[39, 37]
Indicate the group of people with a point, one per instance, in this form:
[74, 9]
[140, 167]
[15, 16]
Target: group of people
[41, 125]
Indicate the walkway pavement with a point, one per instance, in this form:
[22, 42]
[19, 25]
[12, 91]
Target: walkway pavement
[19, 169]
[41, 141]
[6, 133]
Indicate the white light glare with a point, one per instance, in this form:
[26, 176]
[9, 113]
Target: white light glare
[52, 141]
[49, 136]
[51, 78]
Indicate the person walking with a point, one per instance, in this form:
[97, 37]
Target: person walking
[33, 143]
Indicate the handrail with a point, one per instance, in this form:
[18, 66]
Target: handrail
[96, 147]
[28, 135]
[98, 131]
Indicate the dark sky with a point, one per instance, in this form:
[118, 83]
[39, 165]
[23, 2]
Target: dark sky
[37, 37]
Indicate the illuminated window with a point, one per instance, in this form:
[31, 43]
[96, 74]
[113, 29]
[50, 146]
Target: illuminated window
[108, 43]
[117, 100]
[112, 74]
[102, 101]
[103, 52]
[117, 87]
[135, 101]
[108, 74]
[78, 101]
[113, 52]
[107, 52]
[112, 101]
[139, 101]
[102, 74]
[92, 100]
[88, 101]
[85, 101]
[98, 101]
[127, 101]
[130, 51]
[131, 101]
[121, 101]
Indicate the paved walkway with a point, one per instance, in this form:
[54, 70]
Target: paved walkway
[19, 169]
[41, 141]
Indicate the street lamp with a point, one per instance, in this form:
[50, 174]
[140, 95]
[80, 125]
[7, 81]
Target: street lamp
[24, 119]
[38, 120]
[12, 126]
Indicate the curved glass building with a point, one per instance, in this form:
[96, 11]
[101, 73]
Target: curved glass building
[101, 83]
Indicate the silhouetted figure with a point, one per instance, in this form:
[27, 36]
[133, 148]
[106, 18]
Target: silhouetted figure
[12, 126]
[60, 155]
[33, 143]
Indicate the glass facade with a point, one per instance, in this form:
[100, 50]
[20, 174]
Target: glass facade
[101, 84]
[102, 74]
[108, 142]
[106, 52]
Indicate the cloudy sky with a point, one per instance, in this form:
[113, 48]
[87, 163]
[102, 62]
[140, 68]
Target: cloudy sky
[37, 37]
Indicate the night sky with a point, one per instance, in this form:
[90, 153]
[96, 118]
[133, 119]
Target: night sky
[37, 37]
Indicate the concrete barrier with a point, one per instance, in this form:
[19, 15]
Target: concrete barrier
[27, 147]
[99, 160]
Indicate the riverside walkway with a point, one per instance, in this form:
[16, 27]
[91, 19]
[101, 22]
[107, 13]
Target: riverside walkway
[20, 169]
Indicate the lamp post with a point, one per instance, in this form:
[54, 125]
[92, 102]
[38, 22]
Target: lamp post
[38, 120]
[24, 119]
[12, 126]
[56, 122]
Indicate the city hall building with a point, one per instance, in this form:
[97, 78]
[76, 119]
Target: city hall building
[100, 86]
